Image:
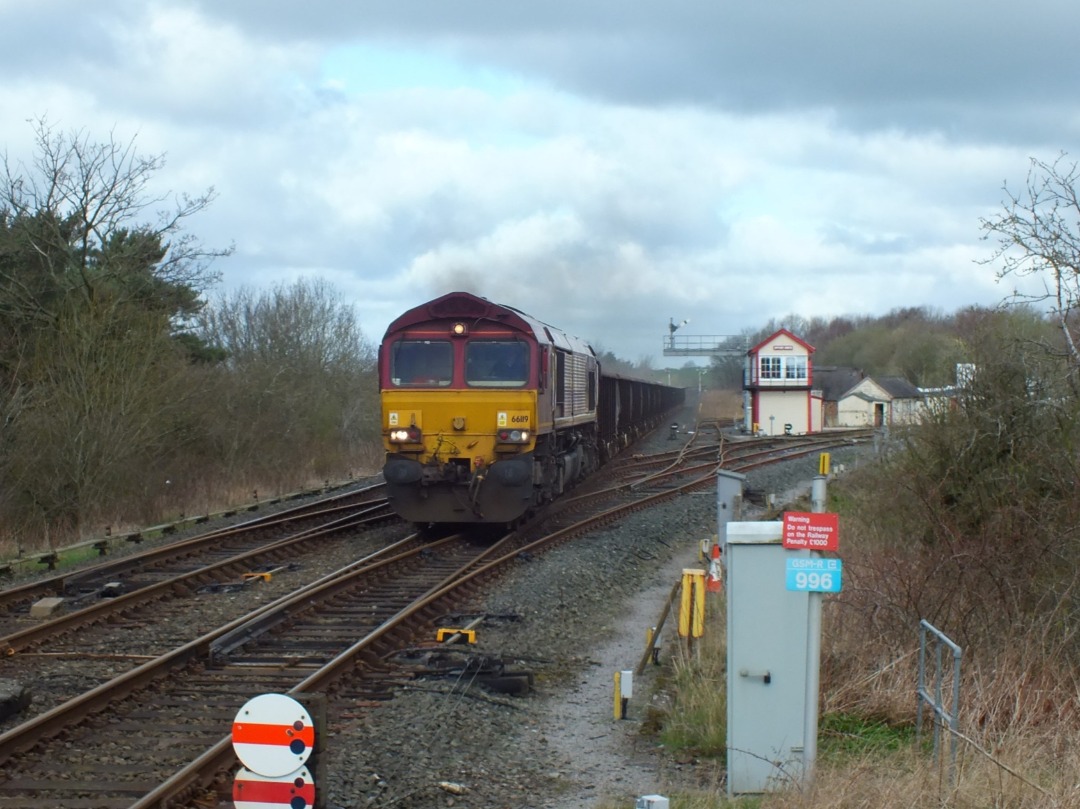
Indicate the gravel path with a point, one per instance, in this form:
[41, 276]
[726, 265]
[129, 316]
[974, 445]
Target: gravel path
[605, 757]
[581, 616]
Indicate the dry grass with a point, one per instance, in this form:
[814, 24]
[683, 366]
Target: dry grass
[698, 677]
[1019, 746]
[1019, 741]
[197, 495]
[725, 406]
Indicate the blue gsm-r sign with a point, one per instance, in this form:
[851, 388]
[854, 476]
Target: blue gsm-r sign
[813, 575]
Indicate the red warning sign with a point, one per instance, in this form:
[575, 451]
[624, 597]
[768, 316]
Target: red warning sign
[273, 735]
[810, 530]
[254, 791]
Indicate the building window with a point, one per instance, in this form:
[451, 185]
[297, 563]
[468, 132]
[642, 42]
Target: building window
[789, 369]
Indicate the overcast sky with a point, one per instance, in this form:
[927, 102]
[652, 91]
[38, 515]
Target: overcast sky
[603, 166]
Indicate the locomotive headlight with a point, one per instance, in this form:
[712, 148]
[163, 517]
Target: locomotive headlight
[513, 436]
[405, 435]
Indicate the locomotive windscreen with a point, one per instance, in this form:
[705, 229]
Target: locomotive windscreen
[421, 362]
[496, 363]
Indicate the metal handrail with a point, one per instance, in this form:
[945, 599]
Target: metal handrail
[936, 702]
[697, 344]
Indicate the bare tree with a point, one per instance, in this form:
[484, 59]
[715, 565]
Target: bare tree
[97, 282]
[94, 218]
[299, 395]
[1038, 234]
[104, 413]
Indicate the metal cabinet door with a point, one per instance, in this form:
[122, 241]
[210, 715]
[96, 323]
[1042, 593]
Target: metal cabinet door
[767, 662]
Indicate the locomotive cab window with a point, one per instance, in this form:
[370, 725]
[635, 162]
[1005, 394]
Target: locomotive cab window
[497, 363]
[422, 362]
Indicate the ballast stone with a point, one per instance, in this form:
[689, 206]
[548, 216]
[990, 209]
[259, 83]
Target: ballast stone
[46, 607]
[14, 698]
[652, 802]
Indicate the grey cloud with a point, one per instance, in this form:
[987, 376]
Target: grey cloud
[952, 68]
[605, 219]
[37, 40]
[870, 244]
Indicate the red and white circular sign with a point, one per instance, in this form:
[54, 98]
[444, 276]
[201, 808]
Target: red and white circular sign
[254, 791]
[273, 735]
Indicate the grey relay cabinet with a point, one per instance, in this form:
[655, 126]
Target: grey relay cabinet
[772, 663]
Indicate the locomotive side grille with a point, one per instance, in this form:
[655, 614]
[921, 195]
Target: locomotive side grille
[579, 385]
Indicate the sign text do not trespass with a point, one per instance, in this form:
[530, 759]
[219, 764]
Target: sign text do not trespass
[811, 530]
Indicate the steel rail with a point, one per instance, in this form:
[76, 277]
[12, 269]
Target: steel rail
[17, 641]
[44, 725]
[59, 584]
[207, 768]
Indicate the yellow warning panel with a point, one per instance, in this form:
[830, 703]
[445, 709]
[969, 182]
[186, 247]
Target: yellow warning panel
[823, 464]
[443, 634]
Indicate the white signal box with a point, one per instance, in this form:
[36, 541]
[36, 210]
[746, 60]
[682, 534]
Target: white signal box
[771, 663]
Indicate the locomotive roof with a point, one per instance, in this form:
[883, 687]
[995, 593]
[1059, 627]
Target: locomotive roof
[466, 306]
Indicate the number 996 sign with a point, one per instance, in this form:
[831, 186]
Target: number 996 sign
[814, 575]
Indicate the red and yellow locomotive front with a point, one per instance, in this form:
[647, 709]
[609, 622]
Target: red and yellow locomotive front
[459, 388]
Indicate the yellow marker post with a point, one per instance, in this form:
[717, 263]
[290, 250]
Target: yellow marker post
[685, 602]
[697, 628]
[652, 641]
[624, 689]
[692, 604]
[823, 464]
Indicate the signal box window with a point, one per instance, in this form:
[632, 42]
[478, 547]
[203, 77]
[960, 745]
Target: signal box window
[784, 368]
[422, 362]
[795, 368]
[497, 363]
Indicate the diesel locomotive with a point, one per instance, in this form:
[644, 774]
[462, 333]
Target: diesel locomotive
[488, 413]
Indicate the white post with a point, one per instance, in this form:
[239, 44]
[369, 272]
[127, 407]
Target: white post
[813, 652]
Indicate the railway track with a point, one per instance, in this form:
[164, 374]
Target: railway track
[695, 464]
[169, 594]
[342, 632]
[141, 568]
[128, 741]
[345, 626]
